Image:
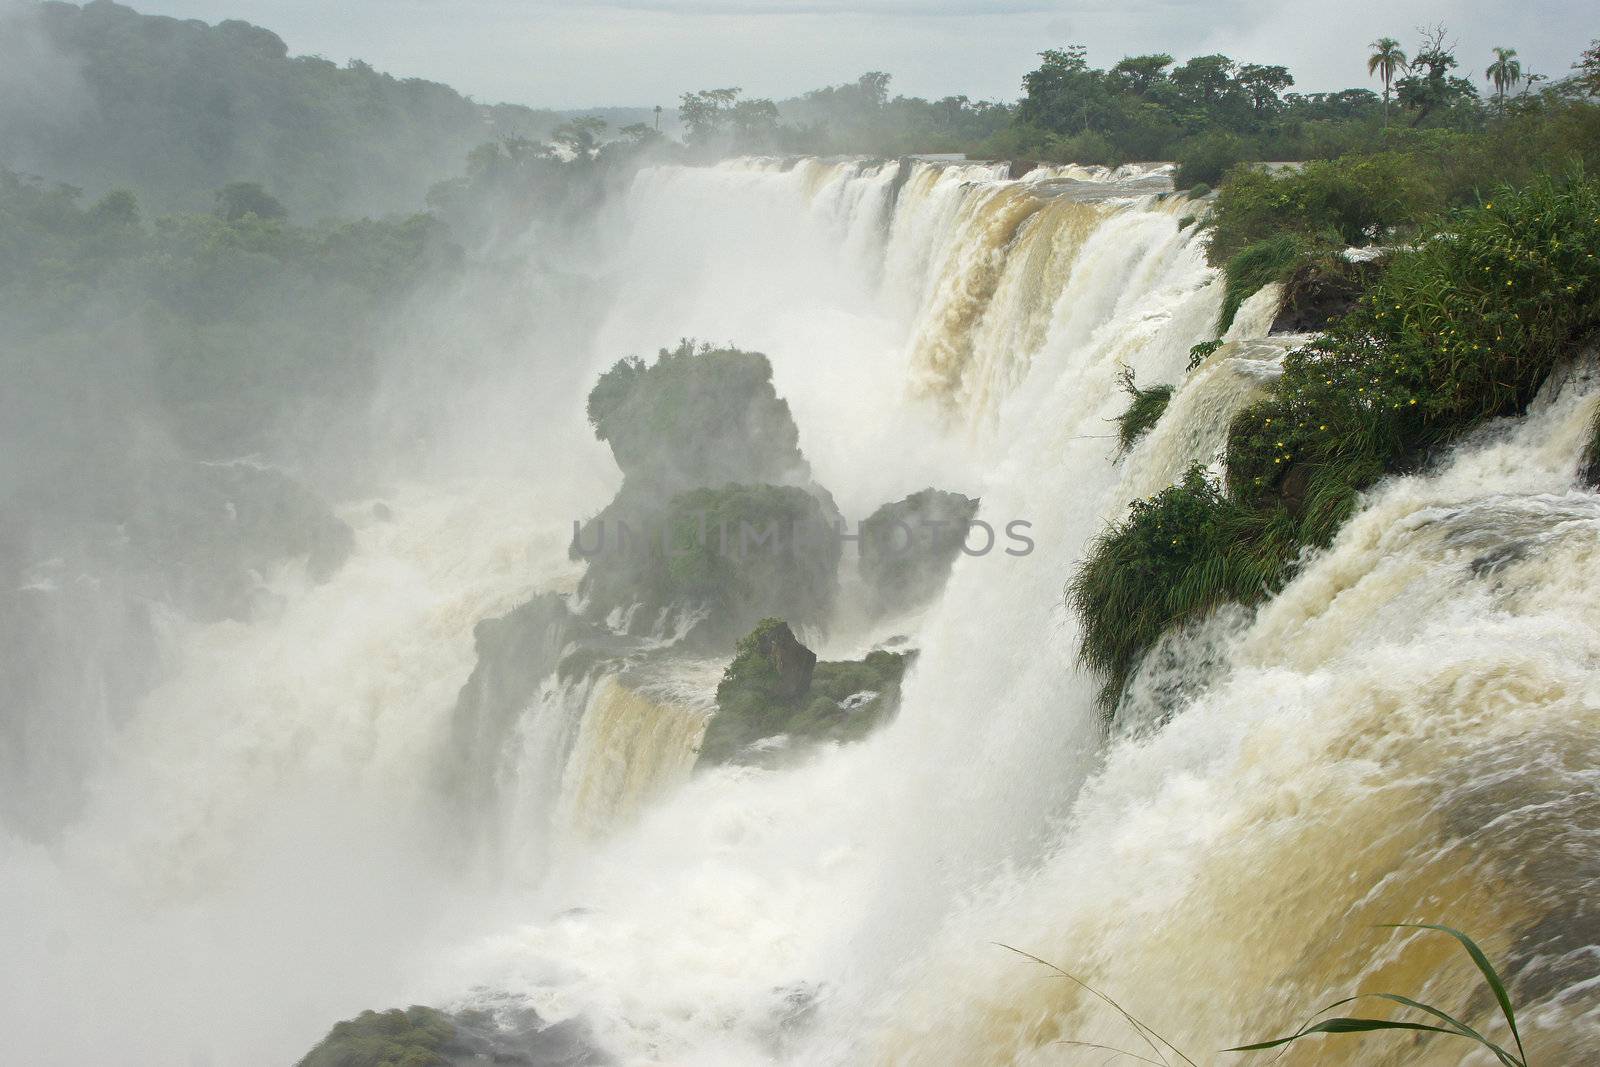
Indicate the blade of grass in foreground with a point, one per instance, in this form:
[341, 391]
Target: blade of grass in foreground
[1453, 1026]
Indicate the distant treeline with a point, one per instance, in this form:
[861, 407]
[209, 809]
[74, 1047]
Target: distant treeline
[177, 108]
[1209, 109]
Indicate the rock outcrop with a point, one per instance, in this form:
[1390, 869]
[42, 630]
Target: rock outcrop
[909, 546]
[427, 1037]
[718, 522]
[775, 696]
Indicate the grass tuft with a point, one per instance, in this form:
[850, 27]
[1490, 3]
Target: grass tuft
[1145, 409]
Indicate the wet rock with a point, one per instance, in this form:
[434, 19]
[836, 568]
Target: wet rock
[1323, 290]
[775, 698]
[908, 547]
[701, 540]
[427, 1037]
[790, 663]
[516, 652]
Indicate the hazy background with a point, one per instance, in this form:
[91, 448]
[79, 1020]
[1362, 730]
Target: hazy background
[578, 53]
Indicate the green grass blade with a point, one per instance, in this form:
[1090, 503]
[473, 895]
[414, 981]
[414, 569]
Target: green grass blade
[1490, 975]
[1342, 1026]
[1462, 1028]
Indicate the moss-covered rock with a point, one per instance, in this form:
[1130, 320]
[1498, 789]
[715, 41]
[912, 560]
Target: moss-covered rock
[696, 417]
[762, 705]
[717, 522]
[427, 1037]
[713, 562]
[413, 1037]
[908, 547]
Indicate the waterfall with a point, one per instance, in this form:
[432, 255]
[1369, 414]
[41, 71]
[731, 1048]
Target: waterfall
[1395, 697]
[633, 745]
[1406, 732]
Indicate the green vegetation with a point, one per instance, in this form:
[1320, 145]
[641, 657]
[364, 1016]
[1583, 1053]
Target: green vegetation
[1160, 1047]
[174, 108]
[414, 1037]
[1294, 223]
[427, 1037]
[858, 117]
[774, 687]
[1270, 260]
[1452, 1027]
[697, 416]
[746, 550]
[1175, 557]
[1145, 408]
[1462, 328]
[1201, 352]
[240, 323]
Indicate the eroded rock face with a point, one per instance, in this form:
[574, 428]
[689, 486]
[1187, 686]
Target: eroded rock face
[909, 546]
[718, 522]
[516, 653]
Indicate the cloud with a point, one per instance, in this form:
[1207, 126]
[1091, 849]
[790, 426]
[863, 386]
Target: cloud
[905, 8]
[567, 53]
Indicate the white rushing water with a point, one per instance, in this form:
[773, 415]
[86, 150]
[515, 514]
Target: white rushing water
[1407, 732]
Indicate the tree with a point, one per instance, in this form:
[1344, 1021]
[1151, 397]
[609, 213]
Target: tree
[1140, 74]
[1386, 61]
[705, 113]
[754, 121]
[1588, 68]
[238, 199]
[1504, 72]
[1062, 92]
[580, 136]
[1430, 85]
[1206, 80]
[1262, 84]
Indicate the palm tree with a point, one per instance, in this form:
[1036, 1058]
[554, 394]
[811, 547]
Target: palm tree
[1504, 72]
[1386, 61]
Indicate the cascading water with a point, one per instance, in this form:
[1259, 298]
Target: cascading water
[1420, 695]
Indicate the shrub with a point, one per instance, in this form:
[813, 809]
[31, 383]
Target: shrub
[1171, 559]
[1145, 409]
[1205, 159]
[1465, 327]
[1338, 202]
[1201, 352]
[1271, 260]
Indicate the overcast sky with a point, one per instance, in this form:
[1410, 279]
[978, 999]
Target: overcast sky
[572, 53]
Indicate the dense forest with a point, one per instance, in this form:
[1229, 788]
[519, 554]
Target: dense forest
[177, 108]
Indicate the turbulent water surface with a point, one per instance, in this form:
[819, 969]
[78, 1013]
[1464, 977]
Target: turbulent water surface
[1407, 732]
